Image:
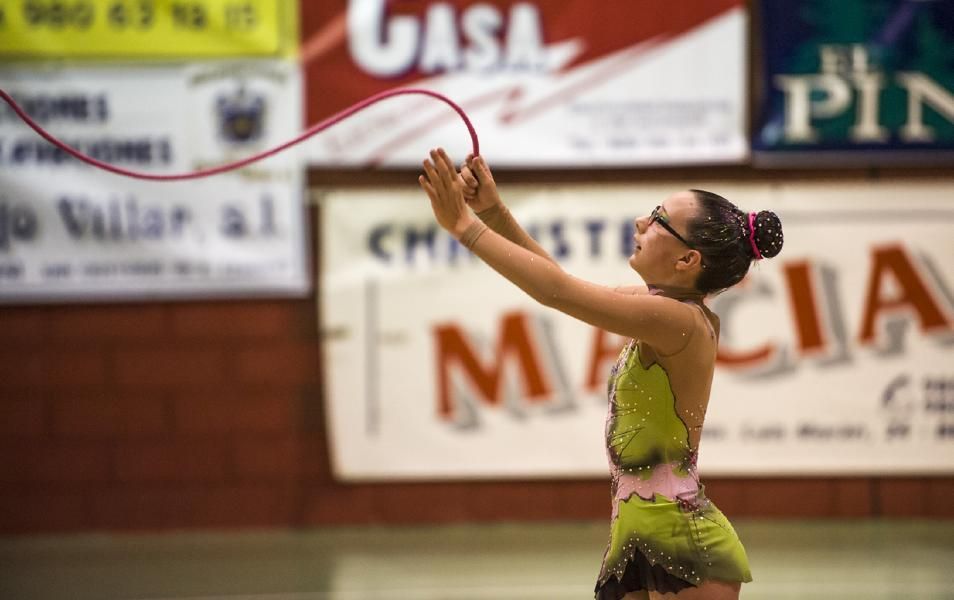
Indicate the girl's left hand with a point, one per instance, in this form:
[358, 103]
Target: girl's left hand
[445, 190]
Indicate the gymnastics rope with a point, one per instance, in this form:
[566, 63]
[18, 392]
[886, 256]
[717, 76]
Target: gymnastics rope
[314, 129]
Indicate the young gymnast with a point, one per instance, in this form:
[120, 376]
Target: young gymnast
[667, 539]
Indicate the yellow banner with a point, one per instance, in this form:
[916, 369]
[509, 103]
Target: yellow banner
[156, 29]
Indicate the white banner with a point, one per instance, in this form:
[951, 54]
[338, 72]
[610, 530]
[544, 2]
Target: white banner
[835, 357]
[68, 230]
[546, 84]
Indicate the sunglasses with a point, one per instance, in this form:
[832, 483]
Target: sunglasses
[655, 217]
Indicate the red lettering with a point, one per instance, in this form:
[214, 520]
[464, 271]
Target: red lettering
[605, 348]
[914, 293]
[727, 357]
[515, 342]
[802, 294]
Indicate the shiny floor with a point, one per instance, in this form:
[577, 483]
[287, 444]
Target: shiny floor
[790, 559]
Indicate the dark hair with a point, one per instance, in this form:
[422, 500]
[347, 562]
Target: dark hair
[720, 232]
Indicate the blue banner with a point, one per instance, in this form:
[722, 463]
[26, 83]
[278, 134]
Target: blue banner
[865, 82]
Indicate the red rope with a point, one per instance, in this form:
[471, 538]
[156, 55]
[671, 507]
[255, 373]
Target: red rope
[251, 159]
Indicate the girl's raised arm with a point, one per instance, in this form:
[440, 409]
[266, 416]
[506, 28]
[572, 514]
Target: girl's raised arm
[480, 193]
[664, 323]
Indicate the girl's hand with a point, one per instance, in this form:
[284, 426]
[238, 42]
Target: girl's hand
[469, 182]
[445, 189]
[480, 190]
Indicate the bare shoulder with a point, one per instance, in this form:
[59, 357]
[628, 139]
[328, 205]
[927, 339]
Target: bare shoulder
[713, 320]
[697, 334]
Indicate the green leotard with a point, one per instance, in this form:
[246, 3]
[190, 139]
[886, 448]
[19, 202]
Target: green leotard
[666, 535]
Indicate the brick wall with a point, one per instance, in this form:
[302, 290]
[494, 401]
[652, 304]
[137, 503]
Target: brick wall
[209, 415]
[156, 416]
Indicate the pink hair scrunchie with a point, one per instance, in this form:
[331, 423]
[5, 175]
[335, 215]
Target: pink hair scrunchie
[755, 248]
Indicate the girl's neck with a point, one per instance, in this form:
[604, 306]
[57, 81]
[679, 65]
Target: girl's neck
[677, 293]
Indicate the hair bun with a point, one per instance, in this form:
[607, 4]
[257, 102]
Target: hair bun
[767, 231]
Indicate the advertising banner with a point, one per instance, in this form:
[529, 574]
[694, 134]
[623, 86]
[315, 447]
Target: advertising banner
[836, 357]
[547, 84]
[856, 82]
[68, 230]
[159, 29]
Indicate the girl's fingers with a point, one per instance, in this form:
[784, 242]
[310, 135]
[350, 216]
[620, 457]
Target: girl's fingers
[444, 159]
[438, 168]
[465, 167]
[447, 160]
[438, 180]
[482, 171]
[445, 167]
[468, 177]
[427, 187]
[434, 178]
[431, 172]
[477, 167]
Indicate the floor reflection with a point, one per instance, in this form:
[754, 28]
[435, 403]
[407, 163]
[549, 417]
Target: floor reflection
[790, 559]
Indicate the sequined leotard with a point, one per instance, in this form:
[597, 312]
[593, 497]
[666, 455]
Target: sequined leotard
[665, 534]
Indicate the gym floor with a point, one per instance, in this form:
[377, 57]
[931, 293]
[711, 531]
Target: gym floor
[790, 559]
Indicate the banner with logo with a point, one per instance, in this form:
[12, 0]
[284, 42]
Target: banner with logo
[158, 29]
[863, 82]
[836, 357]
[68, 230]
[547, 84]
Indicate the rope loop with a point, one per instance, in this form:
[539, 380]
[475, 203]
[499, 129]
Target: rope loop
[314, 129]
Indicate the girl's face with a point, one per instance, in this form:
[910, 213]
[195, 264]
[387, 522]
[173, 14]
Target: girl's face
[657, 252]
